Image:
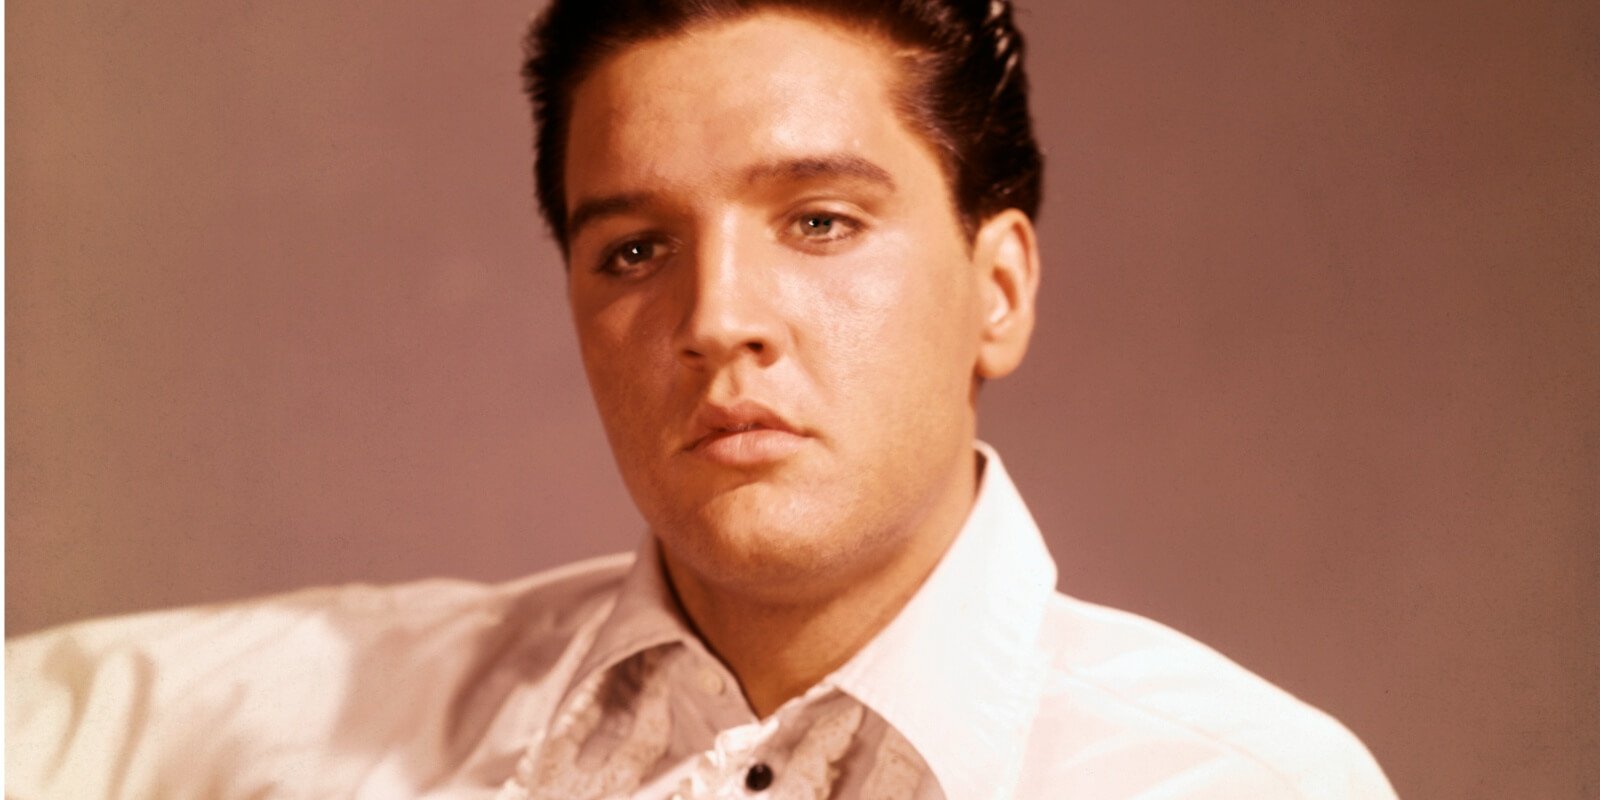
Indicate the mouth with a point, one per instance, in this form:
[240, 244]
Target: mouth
[743, 434]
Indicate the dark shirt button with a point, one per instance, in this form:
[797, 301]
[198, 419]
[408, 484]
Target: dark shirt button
[759, 777]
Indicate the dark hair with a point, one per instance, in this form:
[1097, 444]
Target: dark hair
[963, 88]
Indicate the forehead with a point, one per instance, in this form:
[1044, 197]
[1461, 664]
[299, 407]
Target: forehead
[708, 104]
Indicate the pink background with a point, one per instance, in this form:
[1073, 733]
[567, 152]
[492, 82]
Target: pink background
[1316, 380]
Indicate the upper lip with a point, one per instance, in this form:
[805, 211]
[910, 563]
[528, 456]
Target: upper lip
[711, 419]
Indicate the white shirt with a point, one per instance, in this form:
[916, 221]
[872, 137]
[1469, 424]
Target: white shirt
[586, 682]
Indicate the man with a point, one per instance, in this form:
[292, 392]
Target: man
[799, 239]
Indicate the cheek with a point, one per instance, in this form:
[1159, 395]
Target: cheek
[889, 321]
[609, 338]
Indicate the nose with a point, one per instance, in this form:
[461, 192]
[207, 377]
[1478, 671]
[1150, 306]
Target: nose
[730, 306]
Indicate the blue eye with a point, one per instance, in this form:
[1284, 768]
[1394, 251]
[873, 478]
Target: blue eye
[636, 252]
[631, 257]
[824, 227]
[818, 224]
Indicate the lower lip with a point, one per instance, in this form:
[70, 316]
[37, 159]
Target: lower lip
[748, 448]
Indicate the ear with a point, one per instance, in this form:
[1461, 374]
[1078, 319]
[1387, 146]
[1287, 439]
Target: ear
[1006, 255]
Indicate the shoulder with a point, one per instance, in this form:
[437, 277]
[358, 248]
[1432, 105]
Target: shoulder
[323, 618]
[287, 673]
[1122, 689]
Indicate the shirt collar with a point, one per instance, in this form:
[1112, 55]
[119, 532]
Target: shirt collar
[957, 672]
[646, 616]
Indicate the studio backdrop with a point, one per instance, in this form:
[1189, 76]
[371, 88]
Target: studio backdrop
[1314, 381]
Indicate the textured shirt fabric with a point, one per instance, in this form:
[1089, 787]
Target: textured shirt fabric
[586, 682]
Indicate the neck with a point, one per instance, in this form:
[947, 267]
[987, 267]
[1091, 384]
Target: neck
[779, 649]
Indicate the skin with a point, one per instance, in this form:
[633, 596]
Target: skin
[752, 221]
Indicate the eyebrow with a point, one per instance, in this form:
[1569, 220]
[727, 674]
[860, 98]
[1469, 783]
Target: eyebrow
[808, 168]
[842, 165]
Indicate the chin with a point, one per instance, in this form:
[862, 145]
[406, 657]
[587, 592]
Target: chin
[763, 541]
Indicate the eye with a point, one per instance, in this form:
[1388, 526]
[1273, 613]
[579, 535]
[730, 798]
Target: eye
[633, 257]
[822, 227]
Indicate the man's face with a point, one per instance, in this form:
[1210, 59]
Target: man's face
[777, 307]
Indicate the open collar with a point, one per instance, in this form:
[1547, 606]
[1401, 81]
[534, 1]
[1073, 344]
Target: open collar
[957, 672]
[645, 616]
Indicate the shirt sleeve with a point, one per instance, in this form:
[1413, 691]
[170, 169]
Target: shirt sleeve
[78, 701]
[146, 705]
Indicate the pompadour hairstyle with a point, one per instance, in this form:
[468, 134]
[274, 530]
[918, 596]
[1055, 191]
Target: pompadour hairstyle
[962, 86]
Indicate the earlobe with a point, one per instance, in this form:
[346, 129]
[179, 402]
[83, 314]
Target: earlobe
[1008, 263]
